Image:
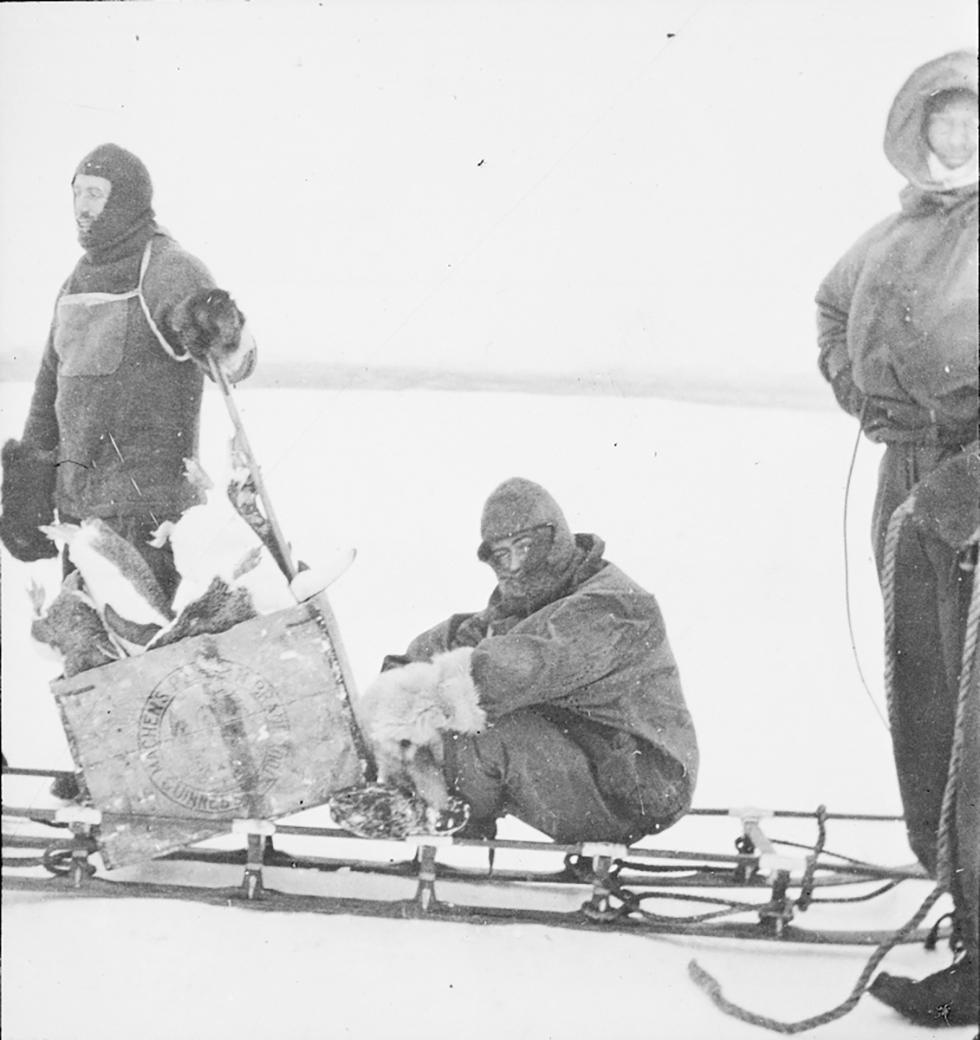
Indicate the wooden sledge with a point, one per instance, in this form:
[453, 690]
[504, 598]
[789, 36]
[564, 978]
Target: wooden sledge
[757, 893]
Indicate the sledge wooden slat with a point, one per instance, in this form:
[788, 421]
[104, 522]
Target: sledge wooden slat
[253, 722]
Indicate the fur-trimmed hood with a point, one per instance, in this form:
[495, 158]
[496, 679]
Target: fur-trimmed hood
[905, 142]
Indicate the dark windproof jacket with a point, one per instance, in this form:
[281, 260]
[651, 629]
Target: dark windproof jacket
[599, 651]
[116, 402]
[897, 315]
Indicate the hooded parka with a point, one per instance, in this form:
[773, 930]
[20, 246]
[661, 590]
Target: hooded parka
[594, 662]
[897, 315]
[897, 320]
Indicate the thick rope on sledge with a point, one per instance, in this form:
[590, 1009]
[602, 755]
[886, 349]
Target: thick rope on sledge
[888, 597]
[712, 987]
[944, 846]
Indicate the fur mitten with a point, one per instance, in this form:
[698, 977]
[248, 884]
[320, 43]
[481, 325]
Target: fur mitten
[28, 501]
[947, 502]
[207, 323]
[413, 706]
[380, 811]
[405, 713]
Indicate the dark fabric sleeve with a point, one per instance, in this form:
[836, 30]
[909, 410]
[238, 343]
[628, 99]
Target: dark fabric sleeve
[834, 299]
[41, 426]
[170, 278]
[456, 631]
[586, 638]
[170, 283]
[833, 307]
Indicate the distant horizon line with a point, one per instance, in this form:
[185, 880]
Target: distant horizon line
[793, 390]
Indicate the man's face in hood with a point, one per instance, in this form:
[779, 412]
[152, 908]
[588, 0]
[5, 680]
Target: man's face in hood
[531, 567]
[91, 195]
[113, 201]
[527, 542]
[951, 130]
[517, 560]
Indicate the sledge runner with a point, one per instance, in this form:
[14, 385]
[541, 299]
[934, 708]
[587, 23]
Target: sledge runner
[897, 321]
[576, 720]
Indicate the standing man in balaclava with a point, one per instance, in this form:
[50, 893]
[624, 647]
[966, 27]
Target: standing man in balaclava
[117, 399]
[587, 735]
[898, 343]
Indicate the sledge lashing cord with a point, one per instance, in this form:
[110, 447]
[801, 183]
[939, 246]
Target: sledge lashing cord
[944, 849]
[847, 571]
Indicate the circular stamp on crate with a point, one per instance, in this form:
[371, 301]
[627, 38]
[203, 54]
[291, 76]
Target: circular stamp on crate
[214, 736]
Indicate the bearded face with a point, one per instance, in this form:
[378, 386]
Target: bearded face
[527, 542]
[530, 567]
[90, 197]
[112, 197]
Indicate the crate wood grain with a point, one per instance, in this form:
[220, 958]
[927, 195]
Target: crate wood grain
[252, 723]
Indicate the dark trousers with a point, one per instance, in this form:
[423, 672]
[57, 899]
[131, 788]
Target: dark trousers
[567, 777]
[932, 588]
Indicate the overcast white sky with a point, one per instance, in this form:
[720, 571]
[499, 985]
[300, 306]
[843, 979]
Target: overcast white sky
[519, 186]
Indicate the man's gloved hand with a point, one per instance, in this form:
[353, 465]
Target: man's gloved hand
[207, 324]
[28, 501]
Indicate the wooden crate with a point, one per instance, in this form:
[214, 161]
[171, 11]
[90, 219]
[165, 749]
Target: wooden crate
[252, 723]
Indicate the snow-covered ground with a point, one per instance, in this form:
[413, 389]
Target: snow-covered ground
[732, 515]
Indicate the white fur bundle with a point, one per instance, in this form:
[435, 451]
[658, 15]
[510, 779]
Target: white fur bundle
[406, 711]
[117, 580]
[211, 540]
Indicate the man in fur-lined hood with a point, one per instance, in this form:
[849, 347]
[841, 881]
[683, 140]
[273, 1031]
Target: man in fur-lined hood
[582, 729]
[897, 315]
[117, 399]
[897, 319]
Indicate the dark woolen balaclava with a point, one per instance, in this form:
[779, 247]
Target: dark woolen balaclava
[127, 220]
[520, 506]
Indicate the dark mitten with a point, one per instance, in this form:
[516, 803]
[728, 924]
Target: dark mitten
[947, 502]
[28, 501]
[207, 324]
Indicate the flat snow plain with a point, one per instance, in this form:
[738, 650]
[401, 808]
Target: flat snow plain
[730, 514]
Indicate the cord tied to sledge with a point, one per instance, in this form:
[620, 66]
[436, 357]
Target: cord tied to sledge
[945, 836]
[809, 875]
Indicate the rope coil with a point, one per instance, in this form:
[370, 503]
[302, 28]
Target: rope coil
[945, 836]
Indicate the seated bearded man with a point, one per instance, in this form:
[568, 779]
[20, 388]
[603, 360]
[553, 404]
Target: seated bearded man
[575, 719]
